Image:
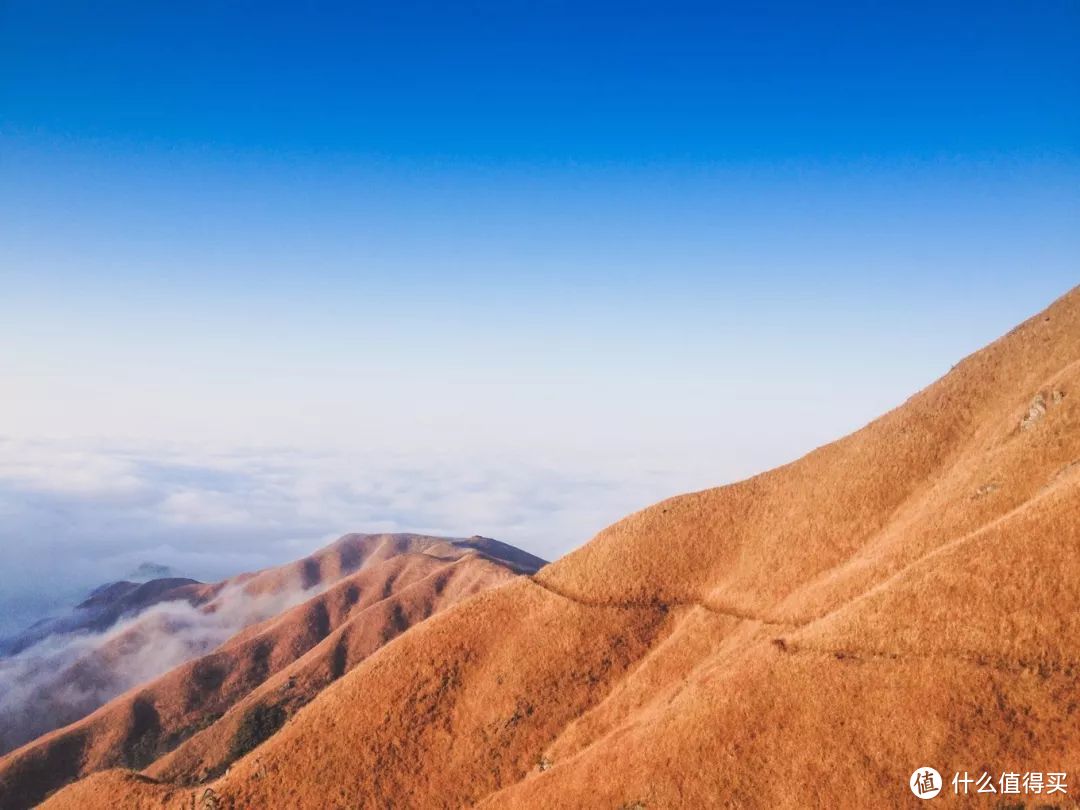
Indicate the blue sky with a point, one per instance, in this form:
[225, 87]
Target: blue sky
[561, 83]
[690, 240]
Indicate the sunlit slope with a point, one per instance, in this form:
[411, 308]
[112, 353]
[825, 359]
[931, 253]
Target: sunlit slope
[904, 597]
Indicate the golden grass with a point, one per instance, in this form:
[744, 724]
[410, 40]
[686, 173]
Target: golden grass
[189, 723]
[906, 596]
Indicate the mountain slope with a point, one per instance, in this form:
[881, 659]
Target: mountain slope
[61, 669]
[103, 608]
[329, 611]
[904, 597]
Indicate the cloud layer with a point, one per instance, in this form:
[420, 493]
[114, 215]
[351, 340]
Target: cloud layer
[74, 515]
[65, 677]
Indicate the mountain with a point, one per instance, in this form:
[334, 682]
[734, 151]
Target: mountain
[903, 598]
[59, 669]
[103, 608]
[255, 650]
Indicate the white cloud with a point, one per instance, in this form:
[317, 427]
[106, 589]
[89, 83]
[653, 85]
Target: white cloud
[76, 514]
[65, 677]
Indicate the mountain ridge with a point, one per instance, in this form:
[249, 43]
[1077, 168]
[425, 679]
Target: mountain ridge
[198, 717]
[899, 598]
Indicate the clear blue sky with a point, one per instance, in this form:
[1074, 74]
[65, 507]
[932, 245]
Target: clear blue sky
[499, 223]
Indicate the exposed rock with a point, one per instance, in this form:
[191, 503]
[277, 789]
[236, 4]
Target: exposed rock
[1036, 411]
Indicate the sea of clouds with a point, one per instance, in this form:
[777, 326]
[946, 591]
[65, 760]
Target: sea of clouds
[76, 514]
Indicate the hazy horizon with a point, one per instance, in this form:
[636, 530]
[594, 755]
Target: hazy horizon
[267, 277]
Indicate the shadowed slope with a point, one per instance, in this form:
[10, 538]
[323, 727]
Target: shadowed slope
[903, 597]
[127, 633]
[219, 706]
[417, 594]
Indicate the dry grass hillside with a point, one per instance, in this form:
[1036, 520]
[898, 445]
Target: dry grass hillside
[60, 670]
[191, 723]
[904, 597]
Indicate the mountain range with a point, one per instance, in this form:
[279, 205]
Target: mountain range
[903, 598]
[250, 652]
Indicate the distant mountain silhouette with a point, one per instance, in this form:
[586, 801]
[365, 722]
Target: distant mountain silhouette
[105, 606]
